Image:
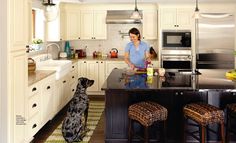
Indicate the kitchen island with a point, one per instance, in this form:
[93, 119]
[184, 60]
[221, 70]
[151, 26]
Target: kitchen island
[173, 91]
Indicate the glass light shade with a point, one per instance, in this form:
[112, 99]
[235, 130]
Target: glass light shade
[135, 15]
[50, 12]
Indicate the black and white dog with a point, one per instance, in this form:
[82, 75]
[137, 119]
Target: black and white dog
[72, 126]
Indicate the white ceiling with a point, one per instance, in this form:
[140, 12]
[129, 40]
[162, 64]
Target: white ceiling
[149, 1]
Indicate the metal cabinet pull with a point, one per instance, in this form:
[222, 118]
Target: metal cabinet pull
[73, 89]
[48, 87]
[34, 89]
[73, 77]
[34, 105]
[96, 61]
[73, 66]
[64, 81]
[34, 126]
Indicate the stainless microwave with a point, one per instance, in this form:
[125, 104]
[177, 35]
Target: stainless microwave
[178, 39]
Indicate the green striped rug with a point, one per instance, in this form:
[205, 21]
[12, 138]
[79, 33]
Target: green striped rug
[95, 111]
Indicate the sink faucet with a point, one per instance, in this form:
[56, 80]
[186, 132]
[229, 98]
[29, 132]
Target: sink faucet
[50, 44]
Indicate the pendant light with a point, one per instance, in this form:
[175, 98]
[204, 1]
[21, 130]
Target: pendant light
[196, 12]
[135, 13]
[50, 10]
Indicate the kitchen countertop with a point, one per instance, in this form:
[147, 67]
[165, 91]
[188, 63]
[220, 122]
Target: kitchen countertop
[119, 80]
[38, 75]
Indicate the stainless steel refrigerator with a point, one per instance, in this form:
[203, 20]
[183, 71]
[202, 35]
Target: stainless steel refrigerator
[215, 41]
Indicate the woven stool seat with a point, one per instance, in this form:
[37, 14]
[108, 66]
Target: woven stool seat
[232, 107]
[147, 113]
[204, 114]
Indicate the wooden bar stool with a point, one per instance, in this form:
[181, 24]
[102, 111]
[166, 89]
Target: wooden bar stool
[203, 114]
[146, 113]
[231, 114]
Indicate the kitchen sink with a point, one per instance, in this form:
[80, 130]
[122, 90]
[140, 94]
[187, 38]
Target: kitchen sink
[62, 67]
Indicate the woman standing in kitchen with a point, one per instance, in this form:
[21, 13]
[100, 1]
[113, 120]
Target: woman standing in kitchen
[136, 51]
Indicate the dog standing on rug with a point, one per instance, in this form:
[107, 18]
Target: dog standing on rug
[72, 126]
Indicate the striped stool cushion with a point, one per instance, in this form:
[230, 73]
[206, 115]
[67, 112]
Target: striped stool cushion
[147, 113]
[232, 107]
[203, 113]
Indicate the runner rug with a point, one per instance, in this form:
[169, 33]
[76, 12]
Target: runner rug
[95, 111]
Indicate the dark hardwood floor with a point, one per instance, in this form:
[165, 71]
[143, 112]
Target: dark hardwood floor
[97, 137]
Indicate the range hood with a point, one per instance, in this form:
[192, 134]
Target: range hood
[121, 17]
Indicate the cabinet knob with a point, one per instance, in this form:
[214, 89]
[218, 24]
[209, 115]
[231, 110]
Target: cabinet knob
[61, 39]
[143, 37]
[34, 126]
[73, 90]
[34, 105]
[234, 93]
[34, 89]
[78, 37]
[73, 76]
[181, 93]
[96, 61]
[176, 93]
[48, 87]
[84, 61]
[101, 62]
[73, 66]
[64, 81]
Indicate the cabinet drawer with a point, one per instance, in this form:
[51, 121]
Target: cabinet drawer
[33, 89]
[34, 125]
[74, 67]
[33, 105]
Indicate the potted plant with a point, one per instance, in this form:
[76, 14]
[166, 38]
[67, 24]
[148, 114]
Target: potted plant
[37, 44]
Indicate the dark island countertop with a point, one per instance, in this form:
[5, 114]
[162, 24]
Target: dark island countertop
[202, 80]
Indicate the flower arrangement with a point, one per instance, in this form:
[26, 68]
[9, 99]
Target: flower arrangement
[37, 41]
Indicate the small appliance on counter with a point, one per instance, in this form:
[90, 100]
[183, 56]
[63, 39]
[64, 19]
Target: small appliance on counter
[114, 53]
[81, 53]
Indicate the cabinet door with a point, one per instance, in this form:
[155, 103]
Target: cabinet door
[48, 86]
[149, 24]
[99, 24]
[19, 24]
[168, 18]
[82, 69]
[87, 24]
[62, 25]
[66, 91]
[184, 18]
[92, 73]
[72, 25]
[18, 85]
[101, 76]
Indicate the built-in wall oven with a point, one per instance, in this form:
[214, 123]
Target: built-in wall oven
[176, 59]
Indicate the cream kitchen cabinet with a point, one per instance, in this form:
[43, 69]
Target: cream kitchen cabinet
[62, 93]
[177, 18]
[47, 98]
[93, 73]
[93, 24]
[73, 80]
[71, 25]
[17, 91]
[39, 105]
[110, 65]
[150, 24]
[82, 69]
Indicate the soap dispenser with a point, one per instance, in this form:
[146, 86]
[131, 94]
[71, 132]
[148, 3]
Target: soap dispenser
[67, 49]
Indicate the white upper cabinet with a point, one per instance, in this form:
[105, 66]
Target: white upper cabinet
[19, 24]
[93, 24]
[72, 25]
[150, 24]
[176, 18]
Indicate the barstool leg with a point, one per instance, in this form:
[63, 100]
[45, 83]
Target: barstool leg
[227, 126]
[185, 121]
[146, 134]
[202, 134]
[222, 132]
[164, 132]
[130, 131]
